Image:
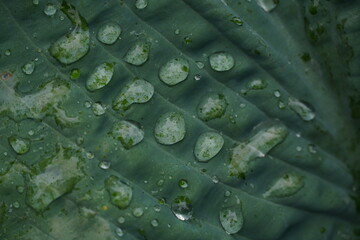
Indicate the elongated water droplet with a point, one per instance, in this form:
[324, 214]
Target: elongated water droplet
[208, 145]
[129, 133]
[154, 223]
[98, 109]
[182, 208]
[109, 33]
[302, 109]
[170, 128]
[119, 232]
[270, 134]
[174, 71]
[100, 77]
[257, 84]
[138, 212]
[212, 106]
[136, 91]
[141, 4]
[277, 93]
[50, 9]
[267, 5]
[231, 219]
[138, 54]
[120, 193]
[285, 186]
[28, 68]
[104, 165]
[20, 145]
[75, 73]
[221, 61]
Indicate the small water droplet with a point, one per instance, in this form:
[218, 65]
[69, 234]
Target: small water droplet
[141, 4]
[129, 133]
[157, 208]
[87, 104]
[231, 219]
[182, 208]
[98, 109]
[160, 182]
[221, 61]
[237, 21]
[35, 2]
[208, 146]
[16, 204]
[120, 193]
[267, 5]
[242, 105]
[50, 9]
[109, 33]
[31, 132]
[177, 31]
[302, 109]
[90, 155]
[281, 104]
[215, 179]
[227, 193]
[174, 71]
[75, 73]
[104, 165]
[312, 149]
[212, 106]
[277, 93]
[138, 212]
[187, 39]
[200, 65]
[28, 68]
[138, 54]
[100, 77]
[162, 201]
[154, 223]
[197, 77]
[119, 232]
[257, 84]
[121, 220]
[170, 128]
[7, 52]
[20, 145]
[298, 148]
[20, 189]
[183, 183]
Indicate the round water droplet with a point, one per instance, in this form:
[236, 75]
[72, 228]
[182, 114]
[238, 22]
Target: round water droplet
[75, 73]
[231, 219]
[98, 109]
[197, 77]
[20, 145]
[277, 93]
[227, 193]
[138, 212]
[257, 84]
[87, 104]
[183, 183]
[128, 133]
[242, 105]
[50, 9]
[109, 33]
[16, 204]
[28, 68]
[208, 145]
[302, 109]
[119, 232]
[100, 77]
[7, 52]
[121, 220]
[182, 208]
[162, 201]
[35, 2]
[138, 54]
[237, 21]
[31, 132]
[170, 128]
[154, 223]
[177, 31]
[215, 179]
[90, 155]
[141, 4]
[104, 165]
[312, 149]
[221, 61]
[174, 71]
[212, 106]
[160, 182]
[298, 148]
[120, 193]
[157, 208]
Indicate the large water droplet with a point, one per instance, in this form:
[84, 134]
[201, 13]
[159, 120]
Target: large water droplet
[128, 133]
[138, 212]
[141, 4]
[20, 145]
[170, 128]
[302, 109]
[109, 33]
[28, 68]
[136, 91]
[208, 145]
[50, 9]
[285, 186]
[212, 106]
[221, 61]
[100, 77]
[270, 134]
[138, 54]
[231, 219]
[267, 5]
[174, 71]
[182, 208]
[120, 193]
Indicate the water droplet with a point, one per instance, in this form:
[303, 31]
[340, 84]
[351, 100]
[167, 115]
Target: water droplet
[312, 149]
[104, 165]
[75, 73]
[7, 52]
[98, 109]
[257, 84]
[141, 4]
[31, 132]
[174, 71]
[109, 33]
[162, 201]
[120, 193]
[90, 155]
[138, 212]
[208, 145]
[50, 9]
[170, 128]
[302, 109]
[182, 208]
[121, 220]
[154, 223]
[200, 65]
[160, 182]
[221, 61]
[20, 145]
[119, 232]
[28, 68]
[285, 186]
[298, 148]
[215, 179]
[157, 208]
[197, 77]
[231, 219]
[35, 2]
[187, 40]
[100, 77]
[242, 105]
[227, 193]
[128, 133]
[138, 54]
[177, 31]
[87, 104]
[270, 135]
[20, 189]
[183, 183]
[137, 91]
[16, 204]
[281, 104]
[212, 106]
[277, 93]
[267, 5]
[237, 21]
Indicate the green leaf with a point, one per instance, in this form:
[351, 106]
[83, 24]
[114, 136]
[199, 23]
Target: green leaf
[186, 119]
